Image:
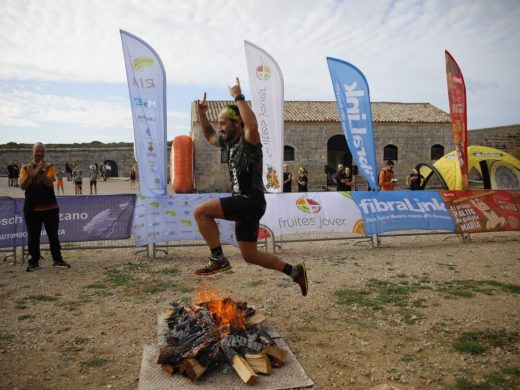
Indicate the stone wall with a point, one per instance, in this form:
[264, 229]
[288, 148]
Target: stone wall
[506, 138]
[122, 156]
[210, 174]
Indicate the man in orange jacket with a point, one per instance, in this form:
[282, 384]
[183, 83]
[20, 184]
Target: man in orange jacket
[386, 177]
[41, 208]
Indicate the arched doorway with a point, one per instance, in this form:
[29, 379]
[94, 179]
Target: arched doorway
[337, 153]
[113, 165]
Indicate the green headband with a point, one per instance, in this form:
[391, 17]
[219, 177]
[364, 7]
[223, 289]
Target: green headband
[229, 113]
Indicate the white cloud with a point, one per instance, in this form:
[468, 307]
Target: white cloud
[39, 110]
[399, 45]
[85, 119]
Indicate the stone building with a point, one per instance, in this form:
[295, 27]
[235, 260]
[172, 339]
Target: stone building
[407, 133]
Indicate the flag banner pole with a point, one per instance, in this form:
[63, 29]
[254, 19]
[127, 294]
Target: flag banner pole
[267, 98]
[458, 113]
[353, 100]
[147, 89]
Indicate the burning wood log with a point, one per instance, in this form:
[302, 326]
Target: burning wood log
[167, 313]
[192, 368]
[255, 319]
[277, 354]
[244, 370]
[240, 365]
[168, 368]
[173, 354]
[242, 343]
[259, 362]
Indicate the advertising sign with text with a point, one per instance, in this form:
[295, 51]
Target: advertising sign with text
[390, 211]
[266, 85]
[476, 211]
[147, 88]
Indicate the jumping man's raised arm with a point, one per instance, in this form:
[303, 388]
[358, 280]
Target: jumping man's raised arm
[251, 133]
[209, 132]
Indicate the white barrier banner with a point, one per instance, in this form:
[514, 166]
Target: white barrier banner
[315, 212]
[170, 218]
[266, 85]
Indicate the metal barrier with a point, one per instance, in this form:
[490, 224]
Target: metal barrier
[87, 245]
[11, 252]
[276, 243]
[163, 246]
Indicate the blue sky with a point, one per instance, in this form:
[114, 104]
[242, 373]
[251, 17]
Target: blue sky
[62, 75]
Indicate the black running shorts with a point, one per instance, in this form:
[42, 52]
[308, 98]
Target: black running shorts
[246, 211]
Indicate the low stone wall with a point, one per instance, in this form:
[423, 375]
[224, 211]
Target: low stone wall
[122, 156]
[506, 138]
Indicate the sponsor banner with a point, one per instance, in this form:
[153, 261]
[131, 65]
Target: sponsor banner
[483, 210]
[353, 100]
[147, 88]
[390, 211]
[170, 218]
[11, 218]
[305, 212]
[458, 113]
[82, 218]
[267, 95]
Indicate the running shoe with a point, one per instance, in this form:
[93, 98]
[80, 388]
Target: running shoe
[32, 267]
[61, 264]
[301, 278]
[214, 266]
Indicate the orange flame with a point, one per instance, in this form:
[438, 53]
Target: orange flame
[226, 310]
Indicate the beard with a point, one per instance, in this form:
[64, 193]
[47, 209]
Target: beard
[230, 134]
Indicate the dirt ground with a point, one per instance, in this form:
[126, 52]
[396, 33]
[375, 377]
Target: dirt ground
[394, 317]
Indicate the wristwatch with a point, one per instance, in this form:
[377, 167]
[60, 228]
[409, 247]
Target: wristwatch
[240, 96]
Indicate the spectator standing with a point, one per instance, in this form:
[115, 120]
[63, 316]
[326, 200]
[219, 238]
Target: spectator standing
[41, 208]
[343, 179]
[10, 174]
[59, 181]
[68, 170]
[93, 174]
[108, 170]
[302, 180]
[386, 177]
[133, 176]
[103, 173]
[16, 173]
[77, 176]
[415, 180]
[287, 179]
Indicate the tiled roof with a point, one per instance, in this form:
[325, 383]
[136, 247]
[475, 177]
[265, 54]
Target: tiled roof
[327, 111]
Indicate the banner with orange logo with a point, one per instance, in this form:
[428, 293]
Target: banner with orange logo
[475, 211]
[266, 85]
[458, 113]
[305, 212]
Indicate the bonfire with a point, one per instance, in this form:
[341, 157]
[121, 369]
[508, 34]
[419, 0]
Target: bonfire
[214, 331]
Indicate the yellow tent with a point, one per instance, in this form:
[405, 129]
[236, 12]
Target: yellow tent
[487, 167]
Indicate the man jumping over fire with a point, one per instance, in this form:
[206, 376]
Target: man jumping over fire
[240, 138]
